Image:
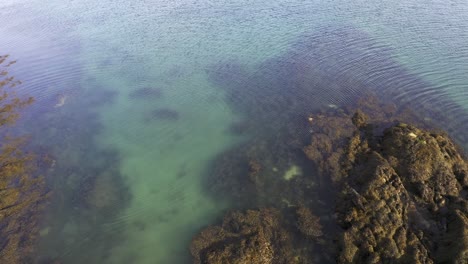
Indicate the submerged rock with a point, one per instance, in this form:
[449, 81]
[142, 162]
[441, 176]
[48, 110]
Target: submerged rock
[146, 93]
[308, 224]
[162, 114]
[104, 193]
[394, 193]
[402, 193]
[254, 237]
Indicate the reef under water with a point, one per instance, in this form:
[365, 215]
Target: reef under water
[343, 162]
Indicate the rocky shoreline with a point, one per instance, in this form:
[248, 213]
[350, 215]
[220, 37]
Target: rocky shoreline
[377, 186]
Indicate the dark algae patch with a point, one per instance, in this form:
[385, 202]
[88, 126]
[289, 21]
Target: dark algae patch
[380, 190]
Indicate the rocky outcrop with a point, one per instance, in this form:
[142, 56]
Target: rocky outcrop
[254, 237]
[402, 192]
[398, 195]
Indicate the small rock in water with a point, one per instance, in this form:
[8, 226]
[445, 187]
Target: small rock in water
[146, 92]
[238, 128]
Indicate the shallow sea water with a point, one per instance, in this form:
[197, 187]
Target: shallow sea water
[135, 99]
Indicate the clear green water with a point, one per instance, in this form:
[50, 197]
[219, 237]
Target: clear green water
[78, 49]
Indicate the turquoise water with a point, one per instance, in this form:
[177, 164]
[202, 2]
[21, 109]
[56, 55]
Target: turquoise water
[135, 99]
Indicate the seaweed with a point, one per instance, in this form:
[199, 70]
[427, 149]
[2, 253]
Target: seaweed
[23, 193]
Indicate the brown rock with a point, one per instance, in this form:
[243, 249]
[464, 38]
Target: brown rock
[253, 237]
[308, 223]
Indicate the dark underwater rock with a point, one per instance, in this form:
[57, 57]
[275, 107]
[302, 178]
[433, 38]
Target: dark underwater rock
[308, 224]
[257, 172]
[239, 128]
[251, 237]
[146, 93]
[163, 114]
[229, 177]
[100, 96]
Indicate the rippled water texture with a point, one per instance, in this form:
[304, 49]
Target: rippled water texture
[136, 100]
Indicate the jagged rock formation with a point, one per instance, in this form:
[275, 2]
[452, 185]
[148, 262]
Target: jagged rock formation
[402, 192]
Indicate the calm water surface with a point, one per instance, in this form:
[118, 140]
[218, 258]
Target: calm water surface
[135, 99]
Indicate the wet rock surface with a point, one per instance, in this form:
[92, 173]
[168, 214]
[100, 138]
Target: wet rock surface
[378, 190]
